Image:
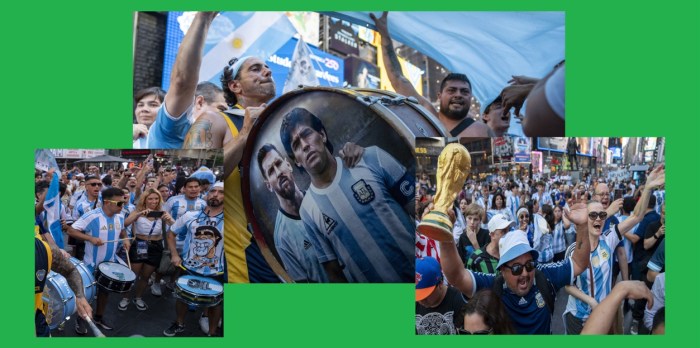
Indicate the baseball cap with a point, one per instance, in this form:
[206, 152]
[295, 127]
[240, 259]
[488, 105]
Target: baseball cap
[428, 276]
[499, 222]
[512, 246]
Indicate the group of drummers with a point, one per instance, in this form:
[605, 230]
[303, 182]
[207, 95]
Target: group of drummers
[117, 238]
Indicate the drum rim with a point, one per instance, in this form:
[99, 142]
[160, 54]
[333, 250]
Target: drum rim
[69, 305]
[191, 276]
[246, 166]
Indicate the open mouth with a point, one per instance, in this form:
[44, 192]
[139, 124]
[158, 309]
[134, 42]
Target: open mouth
[597, 225]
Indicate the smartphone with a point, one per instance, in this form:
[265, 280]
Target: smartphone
[155, 214]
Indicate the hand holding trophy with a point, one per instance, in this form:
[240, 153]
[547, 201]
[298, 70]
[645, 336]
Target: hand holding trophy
[454, 164]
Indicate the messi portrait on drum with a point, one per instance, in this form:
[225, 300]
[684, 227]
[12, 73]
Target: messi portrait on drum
[340, 165]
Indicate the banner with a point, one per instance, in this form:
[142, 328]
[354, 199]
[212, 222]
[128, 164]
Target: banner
[502, 149]
[329, 68]
[302, 72]
[45, 160]
[521, 153]
[52, 211]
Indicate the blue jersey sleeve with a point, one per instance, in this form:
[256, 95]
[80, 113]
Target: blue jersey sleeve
[559, 274]
[658, 260]
[168, 132]
[481, 281]
[400, 183]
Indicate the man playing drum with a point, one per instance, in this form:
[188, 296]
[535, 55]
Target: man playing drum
[99, 227]
[50, 258]
[203, 252]
[455, 91]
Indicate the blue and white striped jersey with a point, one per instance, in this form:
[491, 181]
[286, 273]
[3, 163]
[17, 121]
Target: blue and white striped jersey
[96, 224]
[178, 205]
[168, 132]
[299, 257]
[203, 251]
[83, 206]
[360, 220]
[596, 281]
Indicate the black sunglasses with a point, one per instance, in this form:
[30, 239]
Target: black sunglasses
[595, 214]
[93, 184]
[517, 268]
[480, 332]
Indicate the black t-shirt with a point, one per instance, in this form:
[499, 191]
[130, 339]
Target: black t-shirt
[651, 230]
[465, 247]
[443, 319]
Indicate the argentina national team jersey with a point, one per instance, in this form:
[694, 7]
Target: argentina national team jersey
[83, 206]
[601, 266]
[529, 314]
[296, 250]
[96, 224]
[203, 251]
[177, 206]
[168, 132]
[359, 219]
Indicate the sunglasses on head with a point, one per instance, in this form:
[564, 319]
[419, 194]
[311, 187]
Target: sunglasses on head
[480, 332]
[517, 268]
[93, 184]
[118, 203]
[596, 214]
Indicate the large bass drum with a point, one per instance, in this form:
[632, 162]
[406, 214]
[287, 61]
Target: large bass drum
[366, 117]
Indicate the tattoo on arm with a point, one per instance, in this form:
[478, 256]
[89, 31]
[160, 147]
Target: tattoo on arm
[579, 244]
[199, 136]
[64, 267]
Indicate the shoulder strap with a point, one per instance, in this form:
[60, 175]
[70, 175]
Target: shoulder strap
[466, 122]
[546, 289]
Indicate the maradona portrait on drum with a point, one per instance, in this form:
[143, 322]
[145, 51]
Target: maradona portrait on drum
[370, 233]
[353, 223]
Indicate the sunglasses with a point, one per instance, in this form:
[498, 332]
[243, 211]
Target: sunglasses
[524, 216]
[93, 184]
[480, 332]
[517, 268]
[118, 203]
[597, 214]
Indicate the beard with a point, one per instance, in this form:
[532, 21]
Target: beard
[454, 114]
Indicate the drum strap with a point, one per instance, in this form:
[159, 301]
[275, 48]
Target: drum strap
[466, 122]
[42, 265]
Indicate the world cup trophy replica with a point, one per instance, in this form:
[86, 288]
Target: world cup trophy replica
[454, 164]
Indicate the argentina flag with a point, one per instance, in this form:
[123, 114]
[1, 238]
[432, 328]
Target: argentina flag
[232, 34]
[52, 209]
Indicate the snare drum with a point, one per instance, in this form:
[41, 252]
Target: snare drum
[88, 279]
[59, 300]
[114, 277]
[198, 291]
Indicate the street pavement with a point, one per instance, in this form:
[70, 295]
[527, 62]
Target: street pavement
[149, 323]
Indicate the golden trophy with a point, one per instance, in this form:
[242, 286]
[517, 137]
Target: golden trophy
[454, 164]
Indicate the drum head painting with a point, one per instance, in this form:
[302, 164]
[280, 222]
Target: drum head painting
[357, 220]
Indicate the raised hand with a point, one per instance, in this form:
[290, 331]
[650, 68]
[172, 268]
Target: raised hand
[381, 22]
[578, 212]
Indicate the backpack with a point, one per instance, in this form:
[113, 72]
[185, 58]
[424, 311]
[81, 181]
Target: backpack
[543, 285]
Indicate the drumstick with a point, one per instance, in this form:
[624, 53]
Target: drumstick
[117, 240]
[127, 259]
[94, 328]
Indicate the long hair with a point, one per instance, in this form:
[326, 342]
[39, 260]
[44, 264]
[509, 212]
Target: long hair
[490, 307]
[141, 205]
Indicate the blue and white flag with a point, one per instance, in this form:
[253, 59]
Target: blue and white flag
[44, 160]
[52, 209]
[231, 34]
[302, 72]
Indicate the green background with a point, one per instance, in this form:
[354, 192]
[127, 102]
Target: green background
[632, 70]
